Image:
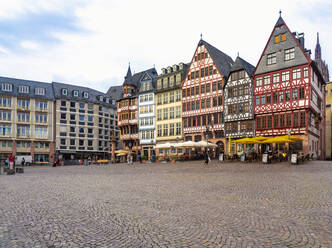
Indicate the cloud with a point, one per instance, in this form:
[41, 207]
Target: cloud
[91, 43]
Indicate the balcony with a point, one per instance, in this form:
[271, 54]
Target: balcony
[129, 136]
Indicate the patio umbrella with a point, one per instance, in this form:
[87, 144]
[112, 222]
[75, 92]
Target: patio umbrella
[164, 145]
[206, 144]
[187, 144]
[121, 151]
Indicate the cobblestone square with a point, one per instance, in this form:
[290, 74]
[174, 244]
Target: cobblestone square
[168, 205]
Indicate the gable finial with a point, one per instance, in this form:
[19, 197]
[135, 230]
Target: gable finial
[238, 54]
[280, 13]
[201, 36]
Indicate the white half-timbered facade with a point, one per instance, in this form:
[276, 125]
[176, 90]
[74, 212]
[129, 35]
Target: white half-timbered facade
[238, 101]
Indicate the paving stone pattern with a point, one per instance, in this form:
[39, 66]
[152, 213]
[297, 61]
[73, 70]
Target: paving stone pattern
[168, 205]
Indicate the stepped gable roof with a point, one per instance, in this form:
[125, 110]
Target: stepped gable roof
[242, 64]
[222, 60]
[115, 92]
[32, 86]
[93, 95]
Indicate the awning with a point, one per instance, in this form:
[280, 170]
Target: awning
[206, 144]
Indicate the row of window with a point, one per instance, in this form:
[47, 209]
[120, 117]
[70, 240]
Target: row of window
[146, 109]
[202, 104]
[146, 98]
[288, 120]
[81, 142]
[203, 120]
[289, 54]
[237, 91]
[168, 82]
[169, 129]
[281, 96]
[238, 75]
[25, 144]
[148, 121]
[239, 108]
[63, 116]
[22, 117]
[167, 151]
[242, 126]
[204, 88]
[127, 116]
[170, 97]
[200, 56]
[169, 113]
[25, 89]
[21, 103]
[23, 131]
[129, 102]
[147, 134]
[285, 76]
[204, 72]
[128, 130]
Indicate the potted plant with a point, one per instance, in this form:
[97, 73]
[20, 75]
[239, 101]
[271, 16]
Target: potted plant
[157, 159]
[173, 159]
[143, 158]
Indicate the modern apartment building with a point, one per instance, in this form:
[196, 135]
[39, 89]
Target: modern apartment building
[26, 119]
[86, 122]
[146, 113]
[169, 107]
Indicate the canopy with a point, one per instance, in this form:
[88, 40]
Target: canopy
[122, 151]
[283, 139]
[206, 144]
[188, 144]
[164, 145]
[255, 140]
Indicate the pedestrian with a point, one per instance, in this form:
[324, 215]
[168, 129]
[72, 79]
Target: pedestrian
[23, 162]
[139, 157]
[11, 160]
[206, 157]
[128, 159]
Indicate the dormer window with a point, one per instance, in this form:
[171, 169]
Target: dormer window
[40, 91]
[64, 92]
[85, 94]
[75, 93]
[7, 87]
[23, 89]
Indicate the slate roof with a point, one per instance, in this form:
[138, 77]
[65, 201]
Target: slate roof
[240, 64]
[280, 22]
[93, 94]
[32, 86]
[129, 78]
[222, 60]
[115, 92]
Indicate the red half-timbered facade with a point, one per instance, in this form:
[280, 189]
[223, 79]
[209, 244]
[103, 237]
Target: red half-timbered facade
[288, 91]
[202, 95]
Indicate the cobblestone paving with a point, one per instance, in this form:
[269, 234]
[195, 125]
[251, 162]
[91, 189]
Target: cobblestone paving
[168, 205]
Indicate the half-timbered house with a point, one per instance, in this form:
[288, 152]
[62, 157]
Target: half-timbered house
[238, 101]
[202, 94]
[288, 90]
[127, 110]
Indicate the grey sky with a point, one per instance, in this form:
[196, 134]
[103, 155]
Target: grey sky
[91, 42]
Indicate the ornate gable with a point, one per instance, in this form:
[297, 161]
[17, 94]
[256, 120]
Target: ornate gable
[282, 50]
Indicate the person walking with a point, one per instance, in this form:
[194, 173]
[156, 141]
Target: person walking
[11, 161]
[206, 157]
[23, 162]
